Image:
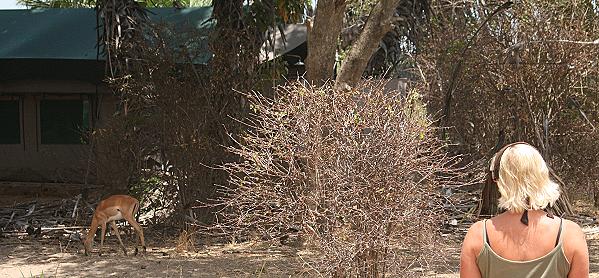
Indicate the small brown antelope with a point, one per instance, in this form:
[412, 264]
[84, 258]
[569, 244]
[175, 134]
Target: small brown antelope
[115, 207]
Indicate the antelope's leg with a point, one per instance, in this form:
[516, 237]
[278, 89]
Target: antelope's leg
[116, 232]
[102, 238]
[138, 229]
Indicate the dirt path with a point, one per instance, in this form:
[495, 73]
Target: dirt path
[30, 258]
[25, 256]
[49, 258]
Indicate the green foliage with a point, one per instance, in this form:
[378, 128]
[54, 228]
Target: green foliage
[357, 10]
[145, 186]
[148, 191]
[267, 15]
[264, 14]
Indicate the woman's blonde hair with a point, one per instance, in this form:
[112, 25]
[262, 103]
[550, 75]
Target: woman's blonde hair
[524, 180]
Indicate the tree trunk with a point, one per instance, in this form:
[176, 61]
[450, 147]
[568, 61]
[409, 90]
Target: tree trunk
[378, 24]
[322, 40]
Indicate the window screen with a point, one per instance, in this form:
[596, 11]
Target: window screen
[10, 122]
[64, 121]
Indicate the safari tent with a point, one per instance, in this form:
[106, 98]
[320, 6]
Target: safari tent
[52, 87]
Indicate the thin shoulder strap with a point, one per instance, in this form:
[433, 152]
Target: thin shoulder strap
[559, 232]
[485, 234]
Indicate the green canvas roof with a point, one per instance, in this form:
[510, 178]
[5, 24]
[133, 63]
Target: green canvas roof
[72, 34]
[61, 43]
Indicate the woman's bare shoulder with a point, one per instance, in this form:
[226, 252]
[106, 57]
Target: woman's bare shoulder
[477, 226]
[574, 240]
[474, 238]
[572, 228]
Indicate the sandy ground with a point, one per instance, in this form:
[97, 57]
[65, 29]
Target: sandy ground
[26, 256]
[38, 258]
[30, 257]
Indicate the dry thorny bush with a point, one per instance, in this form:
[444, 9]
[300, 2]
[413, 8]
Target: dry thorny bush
[161, 124]
[174, 114]
[529, 74]
[357, 172]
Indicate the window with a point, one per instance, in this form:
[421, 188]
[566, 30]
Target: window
[10, 122]
[64, 121]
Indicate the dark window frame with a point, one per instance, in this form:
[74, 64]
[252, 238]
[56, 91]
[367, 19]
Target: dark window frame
[20, 126]
[82, 140]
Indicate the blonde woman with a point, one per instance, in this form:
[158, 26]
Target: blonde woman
[525, 241]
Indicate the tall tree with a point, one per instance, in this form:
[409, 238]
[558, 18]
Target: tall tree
[322, 40]
[382, 17]
[379, 23]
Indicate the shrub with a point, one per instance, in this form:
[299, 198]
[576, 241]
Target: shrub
[357, 172]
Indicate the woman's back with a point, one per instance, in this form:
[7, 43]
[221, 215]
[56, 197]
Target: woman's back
[523, 251]
[516, 242]
[509, 247]
[524, 241]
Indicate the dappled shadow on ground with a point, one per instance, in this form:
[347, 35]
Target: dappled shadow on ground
[54, 255]
[51, 256]
[30, 259]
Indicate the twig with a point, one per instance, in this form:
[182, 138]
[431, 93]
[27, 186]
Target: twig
[458, 67]
[9, 220]
[76, 205]
[31, 210]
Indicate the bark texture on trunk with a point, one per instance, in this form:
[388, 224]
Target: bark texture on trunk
[378, 24]
[322, 40]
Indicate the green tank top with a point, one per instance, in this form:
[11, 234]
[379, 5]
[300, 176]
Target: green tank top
[552, 265]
